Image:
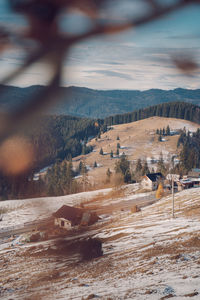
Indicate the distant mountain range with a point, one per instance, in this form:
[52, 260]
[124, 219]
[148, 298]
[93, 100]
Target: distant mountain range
[84, 102]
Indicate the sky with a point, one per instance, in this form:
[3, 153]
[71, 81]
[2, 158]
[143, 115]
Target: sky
[140, 58]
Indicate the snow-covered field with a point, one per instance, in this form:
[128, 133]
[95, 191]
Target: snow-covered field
[21, 211]
[147, 255]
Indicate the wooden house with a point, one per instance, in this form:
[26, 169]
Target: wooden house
[68, 216]
[194, 173]
[151, 181]
[188, 183]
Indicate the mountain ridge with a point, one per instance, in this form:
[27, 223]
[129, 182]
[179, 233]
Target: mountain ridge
[92, 103]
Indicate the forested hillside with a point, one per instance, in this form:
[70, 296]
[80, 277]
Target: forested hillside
[90, 103]
[61, 137]
[178, 110]
[55, 139]
[58, 138]
[190, 155]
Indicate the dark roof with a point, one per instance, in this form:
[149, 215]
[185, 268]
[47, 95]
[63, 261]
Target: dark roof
[154, 176]
[70, 213]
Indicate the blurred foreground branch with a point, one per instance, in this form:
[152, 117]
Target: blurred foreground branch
[51, 45]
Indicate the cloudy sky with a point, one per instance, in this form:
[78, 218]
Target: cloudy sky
[138, 59]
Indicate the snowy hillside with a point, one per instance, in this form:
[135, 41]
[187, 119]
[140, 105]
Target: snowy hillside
[147, 255]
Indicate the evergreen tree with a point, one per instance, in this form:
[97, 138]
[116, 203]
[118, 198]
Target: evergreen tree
[160, 138]
[118, 138]
[80, 166]
[84, 149]
[168, 130]
[101, 151]
[160, 165]
[163, 132]
[111, 154]
[117, 151]
[64, 173]
[95, 164]
[69, 157]
[84, 180]
[138, 166]
[127, 176]
[145, 168]
[69, 176]
[118, 145]
[83, 168]
[122, 165]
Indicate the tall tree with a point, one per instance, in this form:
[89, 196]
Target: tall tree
[161, 165]
[101, 151]
[138, 168]
[122, 165]
[111, 154]
[145, 168]
[168, 130]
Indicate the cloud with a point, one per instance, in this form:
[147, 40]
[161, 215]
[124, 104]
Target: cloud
[112, 63]
[137, 59]
[111, 74]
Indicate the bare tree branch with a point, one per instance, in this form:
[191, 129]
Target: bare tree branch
[43, 18]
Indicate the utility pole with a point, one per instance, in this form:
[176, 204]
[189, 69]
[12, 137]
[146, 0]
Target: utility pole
[173, 197]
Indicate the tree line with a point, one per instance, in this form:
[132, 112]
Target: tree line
[178, 110]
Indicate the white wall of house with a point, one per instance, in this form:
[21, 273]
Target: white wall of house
[62, 223]
[148, 184]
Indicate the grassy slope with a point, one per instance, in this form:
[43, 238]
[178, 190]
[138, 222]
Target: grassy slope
[139, 139]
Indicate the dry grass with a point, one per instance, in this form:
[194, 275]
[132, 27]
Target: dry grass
[4, 210]
[174, 249]
[192, 211]
[143, 257]
[114, 237]
[113, 194]
[134, 137]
